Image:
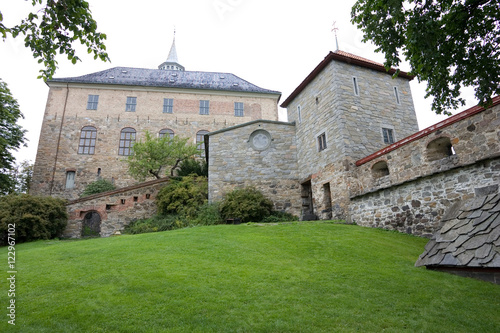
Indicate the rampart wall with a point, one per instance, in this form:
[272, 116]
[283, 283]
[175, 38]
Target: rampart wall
[409, 185]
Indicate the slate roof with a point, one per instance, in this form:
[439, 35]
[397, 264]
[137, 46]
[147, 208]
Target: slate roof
[129, 76]
[470, 236]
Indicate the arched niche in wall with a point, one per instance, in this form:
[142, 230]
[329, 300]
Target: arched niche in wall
[380, 169]
[439, 148]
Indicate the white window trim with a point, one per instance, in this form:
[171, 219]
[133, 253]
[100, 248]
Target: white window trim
[393, 133]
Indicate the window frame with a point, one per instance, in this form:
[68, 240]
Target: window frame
[239, 109]
[165, 131]
[321, 141]
[355, 85]
[299, 112]
[89, 136]
[168, 105]
[70, 180]
[131, 104]
[396, 94]
[391, 135]
[200, 141]
[92, 102]
[126, 143]
[204, 107]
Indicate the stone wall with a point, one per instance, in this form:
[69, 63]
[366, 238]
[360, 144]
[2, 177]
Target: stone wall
[352, 123]
[66, 114]
[116, 208]
[236, 159]
[409, 185]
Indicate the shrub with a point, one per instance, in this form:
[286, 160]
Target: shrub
[248, 204]
[277, 216]
[193, 167]
[182, 196]
[98, 186]
[156, 223]
[208, 214]
[34, 217]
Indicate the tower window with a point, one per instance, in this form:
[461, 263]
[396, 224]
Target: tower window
[168, 105]
[355, 86]
[131, 103]
[87, 140]
[204, 107]
[388, 135]
[92, 102]
[396, 94]
[127, 139]
[238, 109]
[299, 109]
[322, 141]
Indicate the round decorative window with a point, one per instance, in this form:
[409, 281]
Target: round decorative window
[260, 140]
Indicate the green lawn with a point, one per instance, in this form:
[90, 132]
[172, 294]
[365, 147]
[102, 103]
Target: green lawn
[297, 277]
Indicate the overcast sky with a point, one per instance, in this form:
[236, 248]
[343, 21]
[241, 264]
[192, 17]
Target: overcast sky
[274, 44]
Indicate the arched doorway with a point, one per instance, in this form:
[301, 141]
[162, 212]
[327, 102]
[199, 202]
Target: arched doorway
[91, 226]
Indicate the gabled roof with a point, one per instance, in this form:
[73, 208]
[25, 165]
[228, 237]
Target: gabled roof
[470, 236]
[347, 58]
[129, 76]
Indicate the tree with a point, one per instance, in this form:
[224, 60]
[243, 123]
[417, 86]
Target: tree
[151, 157]
[21, 176]
[11, 137]
[48, 31]
[54, 28]
[450, 44]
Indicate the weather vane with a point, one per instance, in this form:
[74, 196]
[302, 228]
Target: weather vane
[334, 29]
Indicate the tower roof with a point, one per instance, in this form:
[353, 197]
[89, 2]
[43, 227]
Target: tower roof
[172, 62]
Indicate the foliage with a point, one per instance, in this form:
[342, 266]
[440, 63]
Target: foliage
[11, 137]
[192, 166]
[99, 186]
[277, 216]
[248, 204]
[304, 277]
[34, 217]
[449, 44]
[20, 178]
[182, 196]
[54, 28]
[157, 223]
[152, 155]
[208, 214]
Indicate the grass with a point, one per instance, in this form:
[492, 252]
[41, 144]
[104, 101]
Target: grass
[297, 277]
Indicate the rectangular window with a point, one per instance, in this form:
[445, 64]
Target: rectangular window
[131, 103]
[238, 109]
[92, 102]
[396, 94]
[70, 179]
[322, 141]
[299, 109]
[355, 86]
[388, 135]
[204, 107]
[168, 105]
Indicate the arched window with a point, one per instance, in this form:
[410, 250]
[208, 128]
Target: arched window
[200, 142]
[439, 148]
[380, 169]
[165, 132]
[127, 139]
[88, 136]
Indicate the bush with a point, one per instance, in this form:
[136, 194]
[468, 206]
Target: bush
[193, 167]
[248, 204]
[156, 223]
[277, 216]
[98, 186]
[34, 217]
[182, 196]
[208, 214]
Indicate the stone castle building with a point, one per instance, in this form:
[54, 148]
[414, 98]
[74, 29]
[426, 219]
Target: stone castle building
[91, 121]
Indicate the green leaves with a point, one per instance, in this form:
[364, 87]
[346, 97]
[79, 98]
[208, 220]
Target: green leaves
[153, 155]
[451, 44]
[53, 30]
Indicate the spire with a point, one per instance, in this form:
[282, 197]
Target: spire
[172, 62]
[335, 29]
